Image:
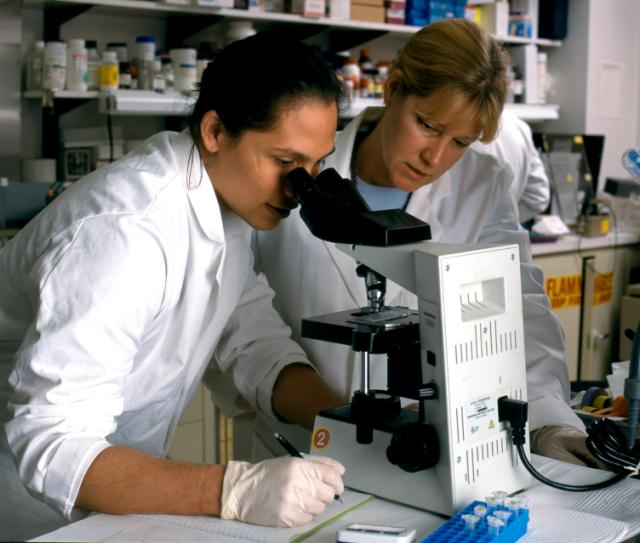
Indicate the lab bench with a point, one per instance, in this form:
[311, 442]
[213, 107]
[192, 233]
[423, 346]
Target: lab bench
[611, 514]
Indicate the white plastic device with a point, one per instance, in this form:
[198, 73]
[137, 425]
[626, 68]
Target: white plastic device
[371, 533]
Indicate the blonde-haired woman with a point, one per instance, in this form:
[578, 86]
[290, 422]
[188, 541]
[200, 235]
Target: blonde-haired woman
[422, 152]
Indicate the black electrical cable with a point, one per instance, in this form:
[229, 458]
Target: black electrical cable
[600, 439]
[562, 486]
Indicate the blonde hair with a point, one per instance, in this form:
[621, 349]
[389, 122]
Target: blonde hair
[460, 59]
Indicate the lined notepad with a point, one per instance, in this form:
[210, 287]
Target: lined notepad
[153, 528]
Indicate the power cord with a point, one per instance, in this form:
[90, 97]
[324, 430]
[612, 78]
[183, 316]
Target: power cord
[601, 442]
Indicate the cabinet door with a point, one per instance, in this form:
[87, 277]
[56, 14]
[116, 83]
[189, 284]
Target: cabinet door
[563, 284]
[590, 316]
[607, 276]
[195, 437]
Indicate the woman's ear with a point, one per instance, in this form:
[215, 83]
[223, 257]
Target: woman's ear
[211, 130]
[391, 86]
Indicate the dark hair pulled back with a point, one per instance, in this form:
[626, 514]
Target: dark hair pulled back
[252, 81]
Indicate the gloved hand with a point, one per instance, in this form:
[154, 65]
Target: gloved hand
[565, 443]
[284, 492]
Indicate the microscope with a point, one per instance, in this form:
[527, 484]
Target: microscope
[453, 359]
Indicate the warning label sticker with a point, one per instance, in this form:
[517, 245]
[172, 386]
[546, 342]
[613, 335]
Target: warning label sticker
[602, 288]
[564, 290]
[481, 418]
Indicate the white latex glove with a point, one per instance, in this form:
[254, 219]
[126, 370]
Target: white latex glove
[565, 443]
[285, 491]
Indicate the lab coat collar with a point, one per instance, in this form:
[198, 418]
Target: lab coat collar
[200, 188]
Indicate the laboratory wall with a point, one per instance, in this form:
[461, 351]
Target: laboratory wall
[596, 77]
[612, 82]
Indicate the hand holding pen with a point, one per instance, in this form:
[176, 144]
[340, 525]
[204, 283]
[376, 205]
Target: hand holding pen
[292, 451]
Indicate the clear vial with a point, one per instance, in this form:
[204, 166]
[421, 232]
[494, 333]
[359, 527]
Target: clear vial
[500, 495]
[492, 503]
[494, 525]
[470, 522]
[480, 511]
[93, 65]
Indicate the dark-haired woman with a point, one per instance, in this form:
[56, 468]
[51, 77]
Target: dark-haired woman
[118, 297]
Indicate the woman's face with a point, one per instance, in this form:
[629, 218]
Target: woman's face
[248, 172]
[421, 139]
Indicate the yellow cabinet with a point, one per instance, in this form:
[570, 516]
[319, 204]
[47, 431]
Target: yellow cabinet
[585, 280]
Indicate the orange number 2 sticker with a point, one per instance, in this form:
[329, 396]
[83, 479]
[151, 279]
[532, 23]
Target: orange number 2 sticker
[320, 438]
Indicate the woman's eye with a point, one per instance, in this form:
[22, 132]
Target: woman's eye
[425, 125]
[461, 144]
[284, 161]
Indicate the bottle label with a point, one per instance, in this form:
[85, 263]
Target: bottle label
[109, 76]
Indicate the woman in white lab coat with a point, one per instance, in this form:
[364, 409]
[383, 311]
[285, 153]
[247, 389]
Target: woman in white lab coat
[445, 91]
[514, 145]
[120, 294]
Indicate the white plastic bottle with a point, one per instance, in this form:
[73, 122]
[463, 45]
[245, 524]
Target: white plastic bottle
[35, 62]
[145, 55]
[77, 66]
[54, 69]
[541, 69]
[109, 71]
[93, 65]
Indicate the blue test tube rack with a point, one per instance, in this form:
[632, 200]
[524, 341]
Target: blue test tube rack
[458, 529]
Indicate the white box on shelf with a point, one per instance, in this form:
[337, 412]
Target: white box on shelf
[214, 3]
[275, 6]
[308, 8]
[339, 9]
[494, 18]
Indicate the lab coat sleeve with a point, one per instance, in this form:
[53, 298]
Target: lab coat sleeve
[547, 373]
[254, 348]
[93, 292]
[536, 192]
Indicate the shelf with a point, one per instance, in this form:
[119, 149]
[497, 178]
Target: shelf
[65, 94]
[161, 9]
[137, 102]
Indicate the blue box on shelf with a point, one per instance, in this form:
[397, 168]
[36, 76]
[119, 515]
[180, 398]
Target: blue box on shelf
[480, 522]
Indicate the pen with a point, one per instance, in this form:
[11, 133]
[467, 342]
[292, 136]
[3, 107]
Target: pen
[292, 451]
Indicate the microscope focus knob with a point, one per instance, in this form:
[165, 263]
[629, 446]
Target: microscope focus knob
[414, 448]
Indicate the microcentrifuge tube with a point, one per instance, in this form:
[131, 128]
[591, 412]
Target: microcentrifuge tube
[494, 524]
[500, 495]
[492, 503]
[513, 505]
[503, 515]
[480, 511]
[470, 521]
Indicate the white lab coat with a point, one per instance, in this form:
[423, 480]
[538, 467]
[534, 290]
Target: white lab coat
[113, 302]
[514, 145]
[312, 277]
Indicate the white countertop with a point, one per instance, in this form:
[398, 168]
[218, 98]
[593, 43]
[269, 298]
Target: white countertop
[573, 242]
[609, 515]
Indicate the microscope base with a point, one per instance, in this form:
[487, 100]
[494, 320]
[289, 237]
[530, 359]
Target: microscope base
[444, 489]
